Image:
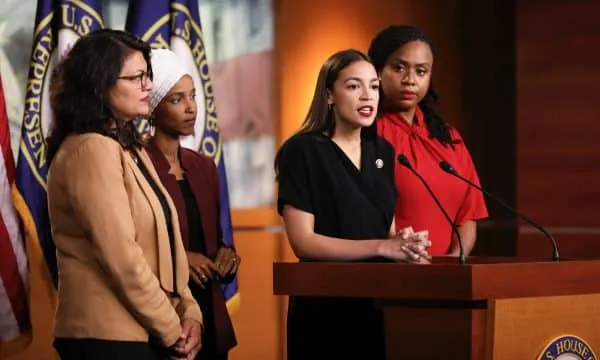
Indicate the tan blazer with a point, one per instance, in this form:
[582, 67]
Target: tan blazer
[114, 258]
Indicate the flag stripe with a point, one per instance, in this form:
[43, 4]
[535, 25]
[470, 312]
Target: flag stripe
[9, 327]
[9, 165]
[8, 215]
[14, 304]
[35, 251]
[12, 280]
[13, 266]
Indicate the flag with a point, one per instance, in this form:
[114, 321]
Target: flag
[58, 24]
[15, 325]
[175, 24]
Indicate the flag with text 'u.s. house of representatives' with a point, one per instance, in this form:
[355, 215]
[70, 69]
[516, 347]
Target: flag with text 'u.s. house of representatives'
[175, 24]
[58, 24]
[15, 324]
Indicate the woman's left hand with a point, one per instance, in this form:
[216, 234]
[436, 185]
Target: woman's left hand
[191, 339]
[227, 261]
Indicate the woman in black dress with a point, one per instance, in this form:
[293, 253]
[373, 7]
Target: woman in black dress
[337, 198]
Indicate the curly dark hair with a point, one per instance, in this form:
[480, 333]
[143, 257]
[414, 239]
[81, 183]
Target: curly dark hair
[80, 89]
[385, 43]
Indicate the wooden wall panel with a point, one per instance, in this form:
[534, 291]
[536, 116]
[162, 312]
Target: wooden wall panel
[257, 322]
[558, 155]
[558, 81]
[572, 244]
[487, 95]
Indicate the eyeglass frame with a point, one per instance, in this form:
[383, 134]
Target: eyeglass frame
[142, 77]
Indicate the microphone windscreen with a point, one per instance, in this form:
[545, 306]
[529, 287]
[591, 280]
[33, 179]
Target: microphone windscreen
[444, 165]
[404, 160]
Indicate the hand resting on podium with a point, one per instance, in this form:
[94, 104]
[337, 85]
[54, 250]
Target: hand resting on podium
[417, 245]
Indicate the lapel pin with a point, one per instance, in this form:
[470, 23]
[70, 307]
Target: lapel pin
[379, 163]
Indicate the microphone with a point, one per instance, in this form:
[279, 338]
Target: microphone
[403, 160]
[450, 170]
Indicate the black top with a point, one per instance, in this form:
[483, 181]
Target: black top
[195, 230]
[197, 244]
[316, 176]
[168, 217]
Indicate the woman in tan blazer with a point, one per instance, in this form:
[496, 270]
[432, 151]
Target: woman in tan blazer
[123, 270]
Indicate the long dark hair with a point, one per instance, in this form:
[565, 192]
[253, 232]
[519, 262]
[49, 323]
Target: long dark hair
[320, 118]
[382, 47]
[80, 89]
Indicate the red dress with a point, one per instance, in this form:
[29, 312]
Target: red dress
[415, 207]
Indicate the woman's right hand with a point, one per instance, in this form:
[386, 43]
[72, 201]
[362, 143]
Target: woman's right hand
[407, 245]
[202, 269]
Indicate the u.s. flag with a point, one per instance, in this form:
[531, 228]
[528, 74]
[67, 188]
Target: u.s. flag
[58, 24]
[15, 324]
[175, 24]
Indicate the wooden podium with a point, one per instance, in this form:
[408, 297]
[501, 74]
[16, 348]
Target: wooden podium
[489, 308]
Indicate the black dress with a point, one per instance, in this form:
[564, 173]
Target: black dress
[202, 296]
[316, 176]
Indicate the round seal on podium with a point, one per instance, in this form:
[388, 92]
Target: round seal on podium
[567, 347]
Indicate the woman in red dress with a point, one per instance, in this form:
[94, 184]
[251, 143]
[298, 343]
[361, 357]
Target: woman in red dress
[403, 58]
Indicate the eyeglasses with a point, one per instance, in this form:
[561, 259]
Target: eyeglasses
[142, 77]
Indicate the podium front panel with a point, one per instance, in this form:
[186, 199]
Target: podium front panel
[525, 329]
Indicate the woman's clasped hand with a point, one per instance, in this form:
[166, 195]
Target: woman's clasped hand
[407, 245]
